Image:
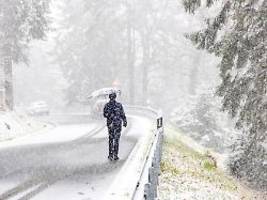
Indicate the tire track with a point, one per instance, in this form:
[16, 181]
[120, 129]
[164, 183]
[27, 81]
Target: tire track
[33, 181]
[89, 135]
[20, 188]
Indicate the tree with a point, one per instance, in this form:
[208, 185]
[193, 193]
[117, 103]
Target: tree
[134, 42]
[92, 45]
[238, 35]
[20, 22]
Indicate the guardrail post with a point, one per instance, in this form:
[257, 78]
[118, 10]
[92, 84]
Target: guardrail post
[157, 157]
[148, 192]
[160, 144]
[155, 165]
[152, 179]
[151, 188]
[159, 122]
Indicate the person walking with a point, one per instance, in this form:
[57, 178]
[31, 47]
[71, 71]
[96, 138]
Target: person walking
[115, 115]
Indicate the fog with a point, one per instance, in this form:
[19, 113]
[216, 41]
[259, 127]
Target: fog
[140, 47]
[202, 63]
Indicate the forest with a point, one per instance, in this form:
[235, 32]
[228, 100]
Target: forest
[203, 62]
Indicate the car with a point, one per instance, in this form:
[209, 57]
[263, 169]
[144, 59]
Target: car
[38, 108]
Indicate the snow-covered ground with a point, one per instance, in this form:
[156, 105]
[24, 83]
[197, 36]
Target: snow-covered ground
[59, 134]
[68, 162]
[190, 173]
[14, 124]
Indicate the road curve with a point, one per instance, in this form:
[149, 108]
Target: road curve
[75, 169]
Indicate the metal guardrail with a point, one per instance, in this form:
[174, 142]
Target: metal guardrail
[138, 177]
[150, 188]
[146, 188]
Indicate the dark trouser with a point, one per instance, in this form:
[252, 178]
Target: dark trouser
[114, 139]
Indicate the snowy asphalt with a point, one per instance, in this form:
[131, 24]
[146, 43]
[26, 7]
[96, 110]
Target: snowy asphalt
[76, 169]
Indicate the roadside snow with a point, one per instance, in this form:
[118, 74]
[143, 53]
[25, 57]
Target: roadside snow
[14, 125]
[63, 133]
[188, 141]
[188, 173]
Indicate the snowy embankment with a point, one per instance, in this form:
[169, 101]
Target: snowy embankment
[13, 125]
[190, 172]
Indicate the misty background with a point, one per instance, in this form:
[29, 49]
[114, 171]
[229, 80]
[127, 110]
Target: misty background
[144, 49]
[139, 47]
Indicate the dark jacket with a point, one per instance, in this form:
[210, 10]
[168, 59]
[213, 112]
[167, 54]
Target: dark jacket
[114, 113]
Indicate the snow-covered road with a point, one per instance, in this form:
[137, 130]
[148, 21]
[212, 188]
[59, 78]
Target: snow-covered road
[68, 162]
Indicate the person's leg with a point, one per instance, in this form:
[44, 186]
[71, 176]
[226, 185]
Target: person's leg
[116, 148]
[116, 143]
[110, 143]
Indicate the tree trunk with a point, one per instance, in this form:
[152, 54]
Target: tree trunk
[2, 84]
[8, 79]
[130, 55]
[146, 58]
[6, 76]
[9, 101]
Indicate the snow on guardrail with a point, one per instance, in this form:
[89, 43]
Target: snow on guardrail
[138, 177]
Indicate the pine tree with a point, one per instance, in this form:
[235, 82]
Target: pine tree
[20, 22]
[238, 35]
